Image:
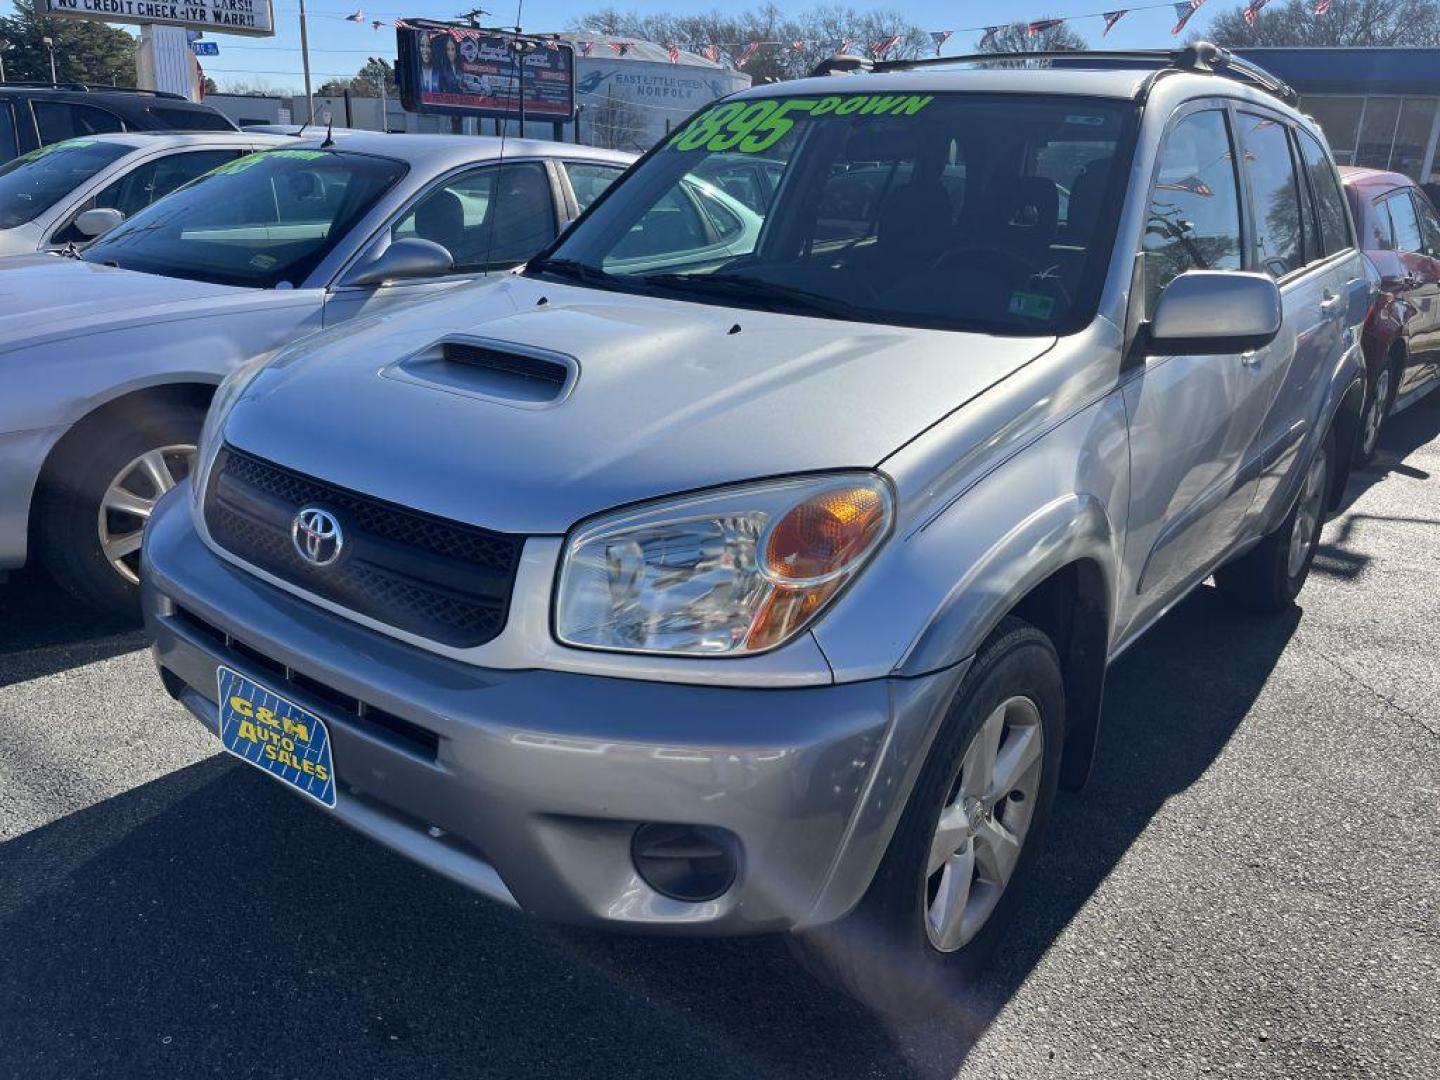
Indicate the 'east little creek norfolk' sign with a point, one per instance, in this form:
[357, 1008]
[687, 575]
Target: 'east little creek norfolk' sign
[253, 17]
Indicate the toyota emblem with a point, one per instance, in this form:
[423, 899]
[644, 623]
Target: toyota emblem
[317, 536]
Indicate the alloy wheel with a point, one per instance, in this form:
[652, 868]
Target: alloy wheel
[983, 824]
[1375, 411]
[130, 499]
[1308, 511]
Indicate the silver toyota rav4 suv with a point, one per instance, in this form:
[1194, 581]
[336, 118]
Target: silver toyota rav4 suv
[682, 588]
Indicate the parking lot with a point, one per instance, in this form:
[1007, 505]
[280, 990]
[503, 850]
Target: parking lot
[1248, 886]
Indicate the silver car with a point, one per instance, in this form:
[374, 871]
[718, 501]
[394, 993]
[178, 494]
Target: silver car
[70, 192]
[109, 359]
[775, 589]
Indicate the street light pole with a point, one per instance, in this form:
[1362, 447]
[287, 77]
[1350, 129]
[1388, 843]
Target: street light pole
[50, 45]
[305, 62]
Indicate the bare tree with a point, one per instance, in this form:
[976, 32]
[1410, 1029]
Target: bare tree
[1348, 22]
[257, 87]
[1016, 38]
[791, 44]
[615, 125]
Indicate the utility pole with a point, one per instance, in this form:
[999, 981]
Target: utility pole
[384, 100]
[305, 62]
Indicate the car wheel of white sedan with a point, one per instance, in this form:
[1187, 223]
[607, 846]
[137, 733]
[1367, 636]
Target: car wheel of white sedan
[98, 496]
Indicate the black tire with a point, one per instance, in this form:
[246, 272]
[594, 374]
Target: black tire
[882, 953]
[1264, 579]
[1390, 375]
[67, 510]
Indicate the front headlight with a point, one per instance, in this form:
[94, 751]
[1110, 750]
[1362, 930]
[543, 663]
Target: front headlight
[727, 573]
[234, 385]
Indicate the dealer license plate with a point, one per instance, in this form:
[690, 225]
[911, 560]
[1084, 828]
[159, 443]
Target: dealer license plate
[290, 743]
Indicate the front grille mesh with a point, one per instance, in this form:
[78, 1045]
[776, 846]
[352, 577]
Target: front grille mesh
[442, 580]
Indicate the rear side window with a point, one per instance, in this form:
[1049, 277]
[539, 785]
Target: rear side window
[190, 119]
[1407, 226]
[1276, 192]
[1194, 217]
[8, 146]
[588, 180]
[1382, 233]
[59, 120]
[1329, 202]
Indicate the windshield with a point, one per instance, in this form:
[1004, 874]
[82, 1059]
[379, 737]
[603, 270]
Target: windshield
[958, 211]
[31, 184]
[261, 221]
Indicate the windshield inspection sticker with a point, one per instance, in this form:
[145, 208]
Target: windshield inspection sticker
[1031, 305]
[754, 126]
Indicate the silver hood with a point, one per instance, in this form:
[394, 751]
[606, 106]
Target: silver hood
[46, 298]
[667, 399]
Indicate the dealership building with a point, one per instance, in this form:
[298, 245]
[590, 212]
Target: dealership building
[1379, 107]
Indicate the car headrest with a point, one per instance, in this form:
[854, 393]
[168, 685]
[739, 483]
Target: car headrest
[440, 218]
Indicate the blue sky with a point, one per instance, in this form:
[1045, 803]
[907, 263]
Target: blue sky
[339, 48]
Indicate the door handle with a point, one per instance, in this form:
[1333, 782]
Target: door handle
[1331, 303]
[1250, 358]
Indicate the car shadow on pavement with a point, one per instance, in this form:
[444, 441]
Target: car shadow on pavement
[44, 630]
[1399, 439]
[210, 923]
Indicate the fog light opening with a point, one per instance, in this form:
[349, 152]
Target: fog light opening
[693, 863]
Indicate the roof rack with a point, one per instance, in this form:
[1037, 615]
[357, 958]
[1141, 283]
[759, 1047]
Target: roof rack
[36, 84]
[1202, 57]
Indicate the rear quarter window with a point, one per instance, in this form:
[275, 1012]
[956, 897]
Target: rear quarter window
[190, 119]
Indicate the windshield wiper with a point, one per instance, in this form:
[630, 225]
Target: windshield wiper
[767, 295]
[573, 269]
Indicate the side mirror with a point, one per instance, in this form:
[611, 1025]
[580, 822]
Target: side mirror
[407, 258]
[1213, 311]
[97, 222]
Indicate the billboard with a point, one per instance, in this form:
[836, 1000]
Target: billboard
[253, 17]
[458, 71]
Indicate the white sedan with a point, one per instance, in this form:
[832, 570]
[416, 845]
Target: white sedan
[109, 358]
[47, 195]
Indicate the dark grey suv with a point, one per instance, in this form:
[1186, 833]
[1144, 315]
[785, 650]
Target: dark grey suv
[37, 114]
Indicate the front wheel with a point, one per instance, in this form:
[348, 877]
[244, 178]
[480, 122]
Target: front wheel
[91, 516]
[946, 887]
[1270, 575]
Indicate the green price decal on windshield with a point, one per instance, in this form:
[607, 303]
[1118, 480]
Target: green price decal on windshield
[752, 127]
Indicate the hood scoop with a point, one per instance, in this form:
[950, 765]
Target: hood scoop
[500, 371]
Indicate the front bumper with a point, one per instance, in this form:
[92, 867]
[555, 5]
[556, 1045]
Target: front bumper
[528, 785]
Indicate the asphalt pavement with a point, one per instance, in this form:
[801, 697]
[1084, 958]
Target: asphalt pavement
[1248, 887]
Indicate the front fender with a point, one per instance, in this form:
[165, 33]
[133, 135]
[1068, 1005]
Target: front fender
[969, 555]
[1069, 529]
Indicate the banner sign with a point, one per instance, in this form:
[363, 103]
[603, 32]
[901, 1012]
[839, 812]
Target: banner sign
[255, 18]
[457, 71]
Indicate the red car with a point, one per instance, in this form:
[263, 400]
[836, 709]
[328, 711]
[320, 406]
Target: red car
[1399, 230]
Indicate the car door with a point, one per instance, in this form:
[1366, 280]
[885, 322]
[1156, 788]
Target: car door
[147, 180]
[1193, 419]
[490, 218]
[1316, 279]
[1397, 229]
[1423, 267]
